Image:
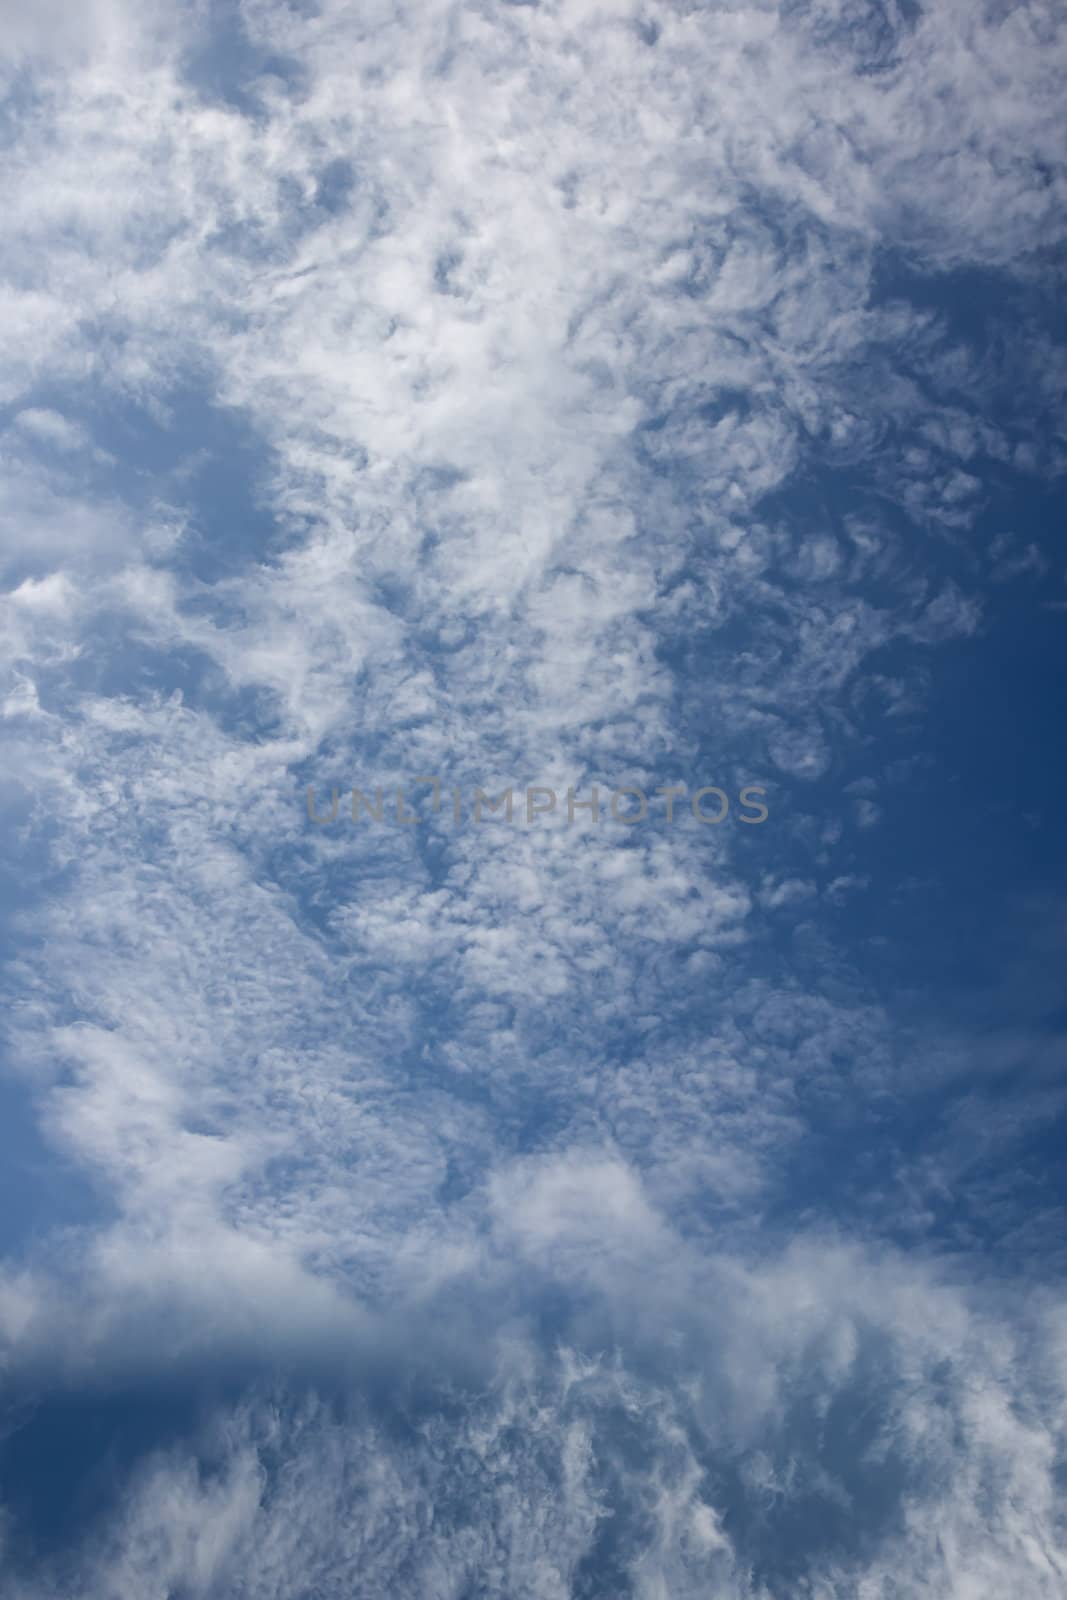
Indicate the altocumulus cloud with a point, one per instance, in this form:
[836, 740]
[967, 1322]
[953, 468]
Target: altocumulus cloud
[567, 394]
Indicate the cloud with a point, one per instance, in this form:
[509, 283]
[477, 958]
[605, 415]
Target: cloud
[630, 396]
[802, 1392]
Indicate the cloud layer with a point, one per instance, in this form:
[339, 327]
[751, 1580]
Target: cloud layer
[534, 394]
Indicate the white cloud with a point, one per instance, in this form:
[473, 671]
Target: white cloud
[533, 311]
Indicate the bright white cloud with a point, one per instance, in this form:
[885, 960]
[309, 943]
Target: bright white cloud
[533, 314]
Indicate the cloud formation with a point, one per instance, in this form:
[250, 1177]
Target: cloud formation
[564, 394]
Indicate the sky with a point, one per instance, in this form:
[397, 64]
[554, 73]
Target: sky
[533, 397]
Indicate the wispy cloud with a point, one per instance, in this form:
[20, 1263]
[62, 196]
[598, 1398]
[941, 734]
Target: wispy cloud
[523, 394]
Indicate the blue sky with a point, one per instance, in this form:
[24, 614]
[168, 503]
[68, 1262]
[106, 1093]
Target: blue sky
[556, 395]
